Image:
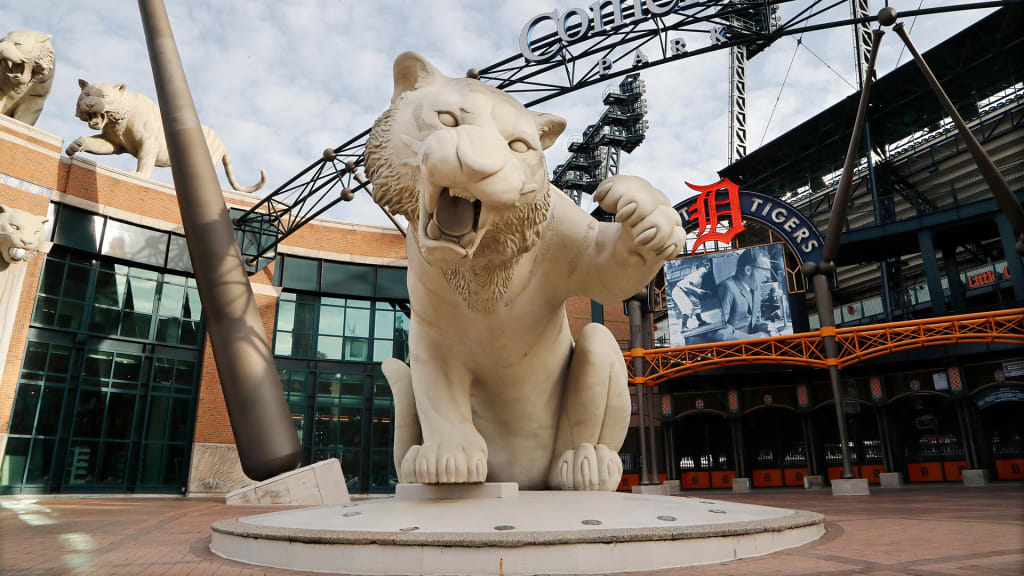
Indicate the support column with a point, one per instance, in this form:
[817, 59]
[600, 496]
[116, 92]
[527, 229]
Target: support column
[665, 427]
[957, 292]
[1008, 241]
[673, 460]
[646, 329]
[739, 449]
[635, 343]
[931, 272]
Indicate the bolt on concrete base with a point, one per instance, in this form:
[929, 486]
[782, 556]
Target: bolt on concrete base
[741, 484]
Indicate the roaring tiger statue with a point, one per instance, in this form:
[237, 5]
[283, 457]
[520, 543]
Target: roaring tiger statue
[131, 123]
[496, 388]
[27, 61]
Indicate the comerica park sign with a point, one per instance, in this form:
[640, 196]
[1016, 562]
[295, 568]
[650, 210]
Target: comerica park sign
[578, 23]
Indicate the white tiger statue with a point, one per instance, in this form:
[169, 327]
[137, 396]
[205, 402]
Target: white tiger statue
[131, 123]
[496, 388]
[27, 61]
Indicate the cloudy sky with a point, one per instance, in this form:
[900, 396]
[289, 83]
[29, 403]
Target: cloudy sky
[282, 80]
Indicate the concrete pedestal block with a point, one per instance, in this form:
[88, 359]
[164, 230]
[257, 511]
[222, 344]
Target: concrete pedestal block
[741, 484]
[976, 477]
[891, 479]
[813, 482]
[316, 484]
[428, 492]
[656, 489]
[850, 487]
[672, 487]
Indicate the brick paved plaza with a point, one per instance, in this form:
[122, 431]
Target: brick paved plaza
[948, 530]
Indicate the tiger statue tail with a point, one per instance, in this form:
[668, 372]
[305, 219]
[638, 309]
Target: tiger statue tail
[226, 160]
[407, 420]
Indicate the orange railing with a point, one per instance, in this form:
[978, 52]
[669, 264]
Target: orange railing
[856, 344]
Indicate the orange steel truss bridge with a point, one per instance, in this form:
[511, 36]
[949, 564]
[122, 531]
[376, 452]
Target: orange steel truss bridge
[855, 343]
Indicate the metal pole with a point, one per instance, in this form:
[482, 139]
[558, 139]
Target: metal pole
[264, 434]
[635, 344]
[1006, 200]
[823, 298]
[653, 437]
[654, 409]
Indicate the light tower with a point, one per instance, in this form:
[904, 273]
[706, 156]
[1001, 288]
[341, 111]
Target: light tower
[595, 154]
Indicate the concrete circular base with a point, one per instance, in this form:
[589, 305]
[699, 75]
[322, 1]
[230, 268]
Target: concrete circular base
[550, 532]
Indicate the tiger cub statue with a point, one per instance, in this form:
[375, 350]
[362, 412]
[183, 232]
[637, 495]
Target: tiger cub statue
[131, 123]
[497, 388]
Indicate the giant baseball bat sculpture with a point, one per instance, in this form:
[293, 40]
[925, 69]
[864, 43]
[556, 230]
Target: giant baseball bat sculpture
[266, 440]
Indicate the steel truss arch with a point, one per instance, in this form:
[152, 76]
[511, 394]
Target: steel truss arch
[856, 344]
[333, 178]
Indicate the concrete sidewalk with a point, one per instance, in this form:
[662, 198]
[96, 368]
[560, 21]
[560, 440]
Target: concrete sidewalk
[941, 530]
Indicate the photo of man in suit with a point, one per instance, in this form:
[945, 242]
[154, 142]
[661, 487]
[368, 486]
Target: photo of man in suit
[740, 297]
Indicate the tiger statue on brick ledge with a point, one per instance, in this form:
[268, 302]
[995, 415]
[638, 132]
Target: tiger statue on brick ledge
[27, 62]
[496, 388]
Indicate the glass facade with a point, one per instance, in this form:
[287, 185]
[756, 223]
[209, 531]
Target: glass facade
[329, 343]
[106, 395]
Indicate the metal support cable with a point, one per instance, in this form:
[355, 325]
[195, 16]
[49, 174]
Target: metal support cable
[912, 22]
[799, 41]
[841, 77]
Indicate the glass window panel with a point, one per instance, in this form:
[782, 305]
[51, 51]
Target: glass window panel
[184, 375]
[381, 388]
[190, 334]
[392, 283]
[283, 344]
[381, 428]
[193, 309]
[302, 345]
[300, 273]
[60, 356]
[76, 282]
[81, 462]
[104, 320]
[40, 463]
[12, 468]
[348, 279]
[48, 421]
[357, 349]
[352, 384]
[78, 228]
[114, 463]
[177, 256]
[171, 299]
[350, 427]
[156, 422]
[163, 370]
[109, 289]
[305, 315]
[45, 312]
[174, 466]
[143, 273]
[120, 414]
[332, 301]
[332, 320]
[294, 381]
[136, 325]
[140, 295]
[328, 385]
[127, 367]
[70, 315]
[179, 420]
[167, 330]
[357, 323]
[53, 277]
[152, 457]
[32, 376]
[382, 350]
[98, 364]
[286, 316]
[383, 324]
[25, 406]
[89, 413]
[174, 279]
[359, 304]
[35, 356]
[328, 348]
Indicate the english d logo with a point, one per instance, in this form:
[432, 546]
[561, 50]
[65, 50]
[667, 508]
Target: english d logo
[711, 210]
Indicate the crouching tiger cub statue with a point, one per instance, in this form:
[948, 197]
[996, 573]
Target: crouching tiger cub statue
[496, 388]
[131, 123]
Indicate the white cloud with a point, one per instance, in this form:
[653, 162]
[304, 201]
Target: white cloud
[281, 81]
